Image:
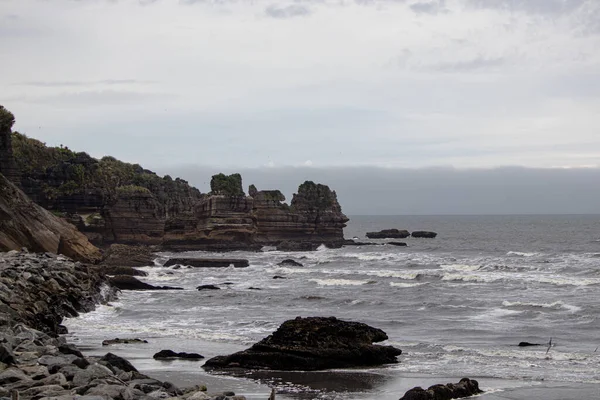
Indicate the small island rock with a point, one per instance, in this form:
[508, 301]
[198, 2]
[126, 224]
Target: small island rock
[389, 234]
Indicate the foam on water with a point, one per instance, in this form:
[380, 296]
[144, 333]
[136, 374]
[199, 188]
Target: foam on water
[557, 305]
[339, 282]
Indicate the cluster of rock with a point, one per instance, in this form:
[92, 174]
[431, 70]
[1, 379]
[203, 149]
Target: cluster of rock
[465, 388]
[313, 343]
[400, 234]
[36, 291]
[239, 222]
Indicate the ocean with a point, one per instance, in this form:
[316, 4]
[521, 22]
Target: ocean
[457, 306]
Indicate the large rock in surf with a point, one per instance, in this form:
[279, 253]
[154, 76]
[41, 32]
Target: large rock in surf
[389, 234]
[25, 224]
[122, 255]
[128, 282]
[465, 388]
[209, 262]
[424, 234]
[313, 343]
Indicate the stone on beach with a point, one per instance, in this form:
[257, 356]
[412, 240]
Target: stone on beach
[465, 388]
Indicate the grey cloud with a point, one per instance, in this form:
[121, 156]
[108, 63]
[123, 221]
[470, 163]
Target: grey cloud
[381, 191]
[290, 11]
[531, 6]
[478, 63]
[84, 83]
[429, 7]
[95, 98]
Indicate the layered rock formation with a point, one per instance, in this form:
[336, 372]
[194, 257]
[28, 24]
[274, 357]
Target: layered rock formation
[25, 224]
[231, 222]
[315, 343]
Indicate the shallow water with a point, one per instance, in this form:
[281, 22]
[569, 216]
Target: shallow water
[457, 305]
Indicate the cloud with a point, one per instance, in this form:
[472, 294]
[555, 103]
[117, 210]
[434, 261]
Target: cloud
[429, 7]
[547, 7]
[478, 63]
[289, 11]
[84, 83]
[92, 98]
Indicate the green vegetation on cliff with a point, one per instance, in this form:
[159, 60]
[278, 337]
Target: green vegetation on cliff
[228, 185]
[313, 196]
[7, 119]
[62, 179]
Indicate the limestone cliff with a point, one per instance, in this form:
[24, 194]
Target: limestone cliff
[25, 224]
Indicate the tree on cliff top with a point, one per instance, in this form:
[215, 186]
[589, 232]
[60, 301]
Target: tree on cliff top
[228, 185]
[7, 119]
[314, 196]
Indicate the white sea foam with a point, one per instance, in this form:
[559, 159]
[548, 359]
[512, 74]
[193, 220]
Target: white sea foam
[522, 254]
[459, 267]
[557, 305]
[406, 285]
[339, 282]
[471, 278]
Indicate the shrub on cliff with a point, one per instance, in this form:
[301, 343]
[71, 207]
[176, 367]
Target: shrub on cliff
[228, 185]
[314, 196]
[7, 119]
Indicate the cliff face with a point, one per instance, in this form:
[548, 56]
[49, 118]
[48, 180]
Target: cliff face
[221, 222]
[25, 224]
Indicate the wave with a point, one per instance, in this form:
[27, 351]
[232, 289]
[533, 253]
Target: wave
[406, 285]
[557, 305]
[459, 267]
[339, 282]
[522, 254]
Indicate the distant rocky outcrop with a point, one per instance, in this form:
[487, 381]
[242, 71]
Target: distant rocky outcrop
[389, 234]
[208, 262]
[465, 388]
[424, 234]
[314, 343]
[228, 220]
[25, 224]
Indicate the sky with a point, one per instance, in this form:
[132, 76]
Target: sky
[470, 86]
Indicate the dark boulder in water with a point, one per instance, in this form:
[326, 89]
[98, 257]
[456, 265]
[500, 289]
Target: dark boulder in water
[208, 262]
[389, 234]
[288, 262]
[208, 287]
[400, 244]
[168, 354]
[424, 234]
[313, 343]
[465, 388]
[527, 344]
[126, 282]
[122, 341]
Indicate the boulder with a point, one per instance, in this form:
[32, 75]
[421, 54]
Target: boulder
[424, 234]
[399, 244]
[389, 234]
[288, 262]
[209, 262]
[208, 287]
[465, 388]
[527, 344]
[112, 360]
[168, 354]
[313, 343]
[122, 255]
[126, 282]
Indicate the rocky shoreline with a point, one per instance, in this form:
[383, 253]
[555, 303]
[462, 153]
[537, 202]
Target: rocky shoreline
[36, 292]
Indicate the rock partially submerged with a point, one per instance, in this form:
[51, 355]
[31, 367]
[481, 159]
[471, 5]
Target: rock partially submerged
[465, 388]
[313, 343]
[170, 354]
[209, 262]
[389, 234]
[399, 244]
[207, 287]
[424, 234]
[288, 262]
[126, 282]
[108, 342]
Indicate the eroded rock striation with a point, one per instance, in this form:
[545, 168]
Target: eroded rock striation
[25, 224]
[313, 343]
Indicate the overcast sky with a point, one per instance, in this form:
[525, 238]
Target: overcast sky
[198, 85]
